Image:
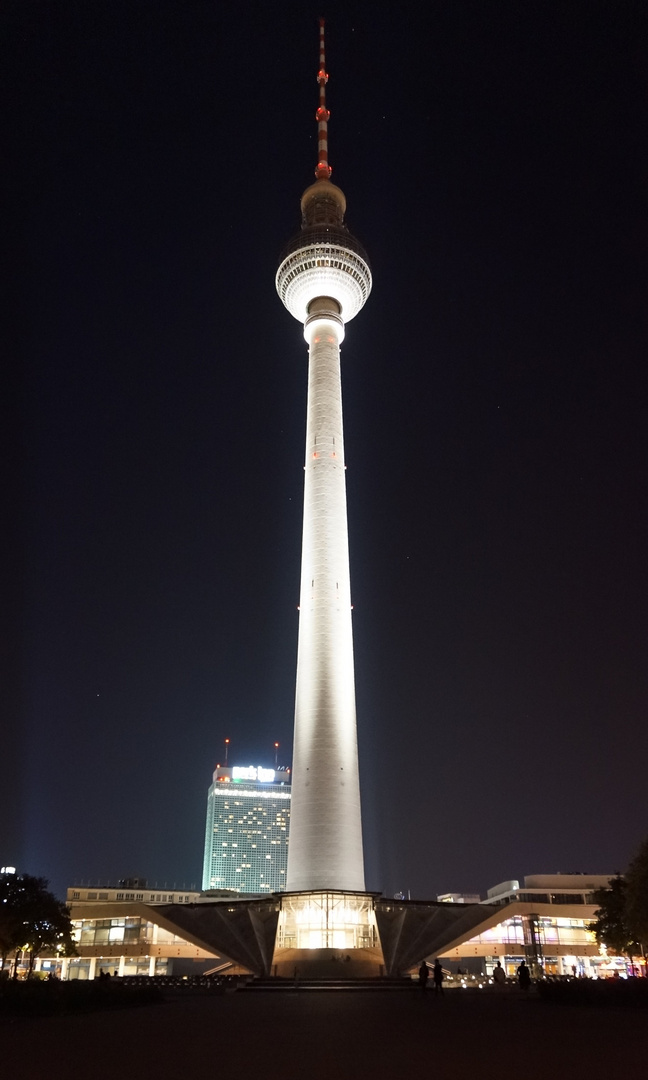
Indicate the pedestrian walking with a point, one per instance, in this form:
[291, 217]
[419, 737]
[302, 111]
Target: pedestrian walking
[423, 974]
[437, 974]
[499, 975]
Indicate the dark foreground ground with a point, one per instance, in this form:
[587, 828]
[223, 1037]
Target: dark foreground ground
[333, 1036]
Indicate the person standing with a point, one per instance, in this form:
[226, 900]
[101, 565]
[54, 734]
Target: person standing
[423, 974]
[499, 975]
[524, 976]
[438, 977]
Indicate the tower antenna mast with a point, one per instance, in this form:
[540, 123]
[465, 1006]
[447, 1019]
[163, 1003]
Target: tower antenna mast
[323, 170]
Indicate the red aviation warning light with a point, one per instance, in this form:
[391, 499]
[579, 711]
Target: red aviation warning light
[323, 170]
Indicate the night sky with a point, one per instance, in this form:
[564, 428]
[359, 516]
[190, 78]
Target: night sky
[492, 155]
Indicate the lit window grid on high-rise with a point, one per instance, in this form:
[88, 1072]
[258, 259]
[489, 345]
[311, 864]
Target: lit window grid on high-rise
[246, 839]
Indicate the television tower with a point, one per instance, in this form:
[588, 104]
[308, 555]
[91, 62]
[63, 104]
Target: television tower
[324, 279]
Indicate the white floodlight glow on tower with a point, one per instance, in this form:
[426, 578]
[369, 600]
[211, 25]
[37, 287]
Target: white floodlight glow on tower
[324, 279]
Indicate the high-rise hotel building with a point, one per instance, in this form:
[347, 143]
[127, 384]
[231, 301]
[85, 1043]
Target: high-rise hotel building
[248, 822]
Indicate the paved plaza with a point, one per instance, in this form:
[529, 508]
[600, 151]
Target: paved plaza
[263, 1036]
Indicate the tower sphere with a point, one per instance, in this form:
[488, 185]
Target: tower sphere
[323, 259]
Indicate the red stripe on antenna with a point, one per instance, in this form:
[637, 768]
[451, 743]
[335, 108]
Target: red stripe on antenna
[323, 169]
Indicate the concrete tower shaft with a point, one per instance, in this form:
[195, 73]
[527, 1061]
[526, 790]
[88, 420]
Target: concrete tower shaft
[325, 849]
[324, 279]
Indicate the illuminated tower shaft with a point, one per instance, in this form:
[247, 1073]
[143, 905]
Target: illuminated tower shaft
[325, 849]
[324, 279]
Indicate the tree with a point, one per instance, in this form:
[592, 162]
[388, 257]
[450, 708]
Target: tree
[637, 896]
[32, 919]
[9, 917]
[611, 927]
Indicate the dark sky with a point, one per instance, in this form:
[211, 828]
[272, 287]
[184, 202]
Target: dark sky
[492, 155]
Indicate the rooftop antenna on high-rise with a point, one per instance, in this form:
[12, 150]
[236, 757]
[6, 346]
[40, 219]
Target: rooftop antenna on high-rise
[227, 743]
[276, 750]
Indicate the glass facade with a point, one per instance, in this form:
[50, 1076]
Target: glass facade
[550, 944]
[326, 920]
[552, 931]
[84, 968]
[246, 838]
[130, 930]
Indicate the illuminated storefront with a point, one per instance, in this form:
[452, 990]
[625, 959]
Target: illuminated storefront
[545, 922]
[129, 945]
[556, 945]
[125, 930]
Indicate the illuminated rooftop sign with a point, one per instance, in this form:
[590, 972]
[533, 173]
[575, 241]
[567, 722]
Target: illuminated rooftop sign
[251, 772]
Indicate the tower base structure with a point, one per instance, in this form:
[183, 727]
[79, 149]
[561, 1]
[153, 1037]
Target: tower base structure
[212, 933]
[335, 934]
[328, 935]
[321, 933]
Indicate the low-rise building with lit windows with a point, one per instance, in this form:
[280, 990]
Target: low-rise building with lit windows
[126, 930]
[545, 922]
